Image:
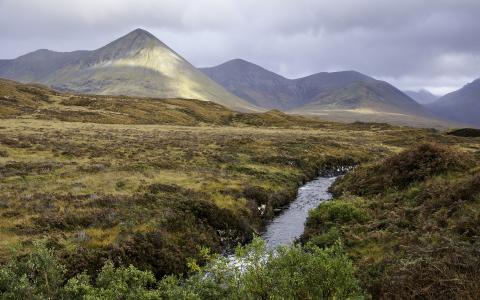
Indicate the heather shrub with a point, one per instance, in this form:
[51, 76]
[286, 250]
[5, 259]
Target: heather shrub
[401, 170]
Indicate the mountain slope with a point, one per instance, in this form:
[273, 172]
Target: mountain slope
[375, 95]
[372, 101]
[422, 96]
[462, 105]
[136, 64]
[309, 88]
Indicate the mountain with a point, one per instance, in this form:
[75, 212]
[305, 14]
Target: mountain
[462, 105]
[137, 64]
[270, 90]
[422, 96]
[346, 95]
[253, 83]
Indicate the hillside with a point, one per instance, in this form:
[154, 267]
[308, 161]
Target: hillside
[143, 190]
[373, 101]
[29, 101]
[374, 95]
[462, 105]
[137, 64]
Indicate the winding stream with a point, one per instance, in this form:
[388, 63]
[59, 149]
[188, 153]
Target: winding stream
[289, 224]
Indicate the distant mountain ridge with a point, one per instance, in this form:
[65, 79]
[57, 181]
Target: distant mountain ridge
[137, 64]
[348, 90]
[422, 96]
[462, 105]
[270, 90]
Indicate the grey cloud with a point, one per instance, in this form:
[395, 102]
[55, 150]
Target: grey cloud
[411, 43]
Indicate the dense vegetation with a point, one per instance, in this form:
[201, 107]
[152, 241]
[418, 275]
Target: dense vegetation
[411, 223]
[253, 273]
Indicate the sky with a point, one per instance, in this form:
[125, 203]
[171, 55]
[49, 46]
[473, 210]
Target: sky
[413, 44]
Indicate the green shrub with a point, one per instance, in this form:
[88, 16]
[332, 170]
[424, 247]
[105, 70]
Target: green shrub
[326, 239]
[286, 273]
[39, 275]
[338, 211]
[120, 184]
[113, 283]
[255, 273]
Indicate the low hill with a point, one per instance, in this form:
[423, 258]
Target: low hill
[465, 132]
[19, 100]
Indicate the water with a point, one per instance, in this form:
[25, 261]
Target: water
[289, 225]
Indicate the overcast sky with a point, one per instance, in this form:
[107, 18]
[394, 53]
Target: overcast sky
[410, 43]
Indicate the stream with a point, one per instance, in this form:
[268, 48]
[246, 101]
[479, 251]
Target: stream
[290, 223]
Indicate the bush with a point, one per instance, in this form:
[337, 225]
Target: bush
[39, 275]
[286, 273]
[445, 271]
[254, 273]
[113, 283]
[338, 211]
[78, 101]
[326, 239]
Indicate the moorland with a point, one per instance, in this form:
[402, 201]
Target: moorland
[151, 183]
